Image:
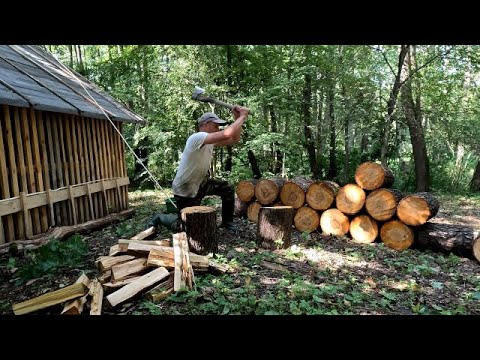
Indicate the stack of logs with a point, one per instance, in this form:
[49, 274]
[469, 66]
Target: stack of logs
[135, 266]
[366, 210]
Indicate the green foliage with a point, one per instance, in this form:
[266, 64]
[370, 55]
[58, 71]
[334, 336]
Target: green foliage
[53, 257]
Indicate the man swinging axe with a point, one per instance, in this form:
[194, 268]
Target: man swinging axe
[191, 183]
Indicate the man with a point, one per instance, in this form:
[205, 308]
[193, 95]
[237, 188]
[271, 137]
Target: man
[191, 184]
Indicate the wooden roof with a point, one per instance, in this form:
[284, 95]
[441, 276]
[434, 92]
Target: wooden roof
[31, 77]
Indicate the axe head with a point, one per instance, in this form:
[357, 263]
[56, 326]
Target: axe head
[198, 91]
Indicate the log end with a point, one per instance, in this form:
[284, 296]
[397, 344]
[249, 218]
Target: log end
[396, 235]
[370, 175]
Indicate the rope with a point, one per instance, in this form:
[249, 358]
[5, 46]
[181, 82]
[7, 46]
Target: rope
[116, 129]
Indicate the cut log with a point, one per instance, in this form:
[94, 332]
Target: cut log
[397, 235]
[49, 299]
[416, 209]
[125, 269]
[118, 249]
[200, 224]
[161, 291]
[381, 204]
[321, 194]
[267, 190]
[106, 262]
[334, 222]
[187, 270]
[293, 192]
[363, 229]
[179, 275]
[96, 292]
[120, 283]
[105, 277]
[252, 211]
[459, 240]
[306, 219]
[245, 190]
[144, 234]
[137, 285]
[75, 307]
[63, 232]
[165, 258]
[350, 199]
[274, 229]
[372, 176]
[240, 208]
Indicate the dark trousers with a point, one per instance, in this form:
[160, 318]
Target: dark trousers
[211, 187]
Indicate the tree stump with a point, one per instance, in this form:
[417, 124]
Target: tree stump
[396, 235]
[275, 227]
[350, 199]
[445, 238]
[334, 222]
[240, 208]
[372, 176]
[306, 219]
[321, 194]
[200, 224]
[267, 190]
[245, 190]
[252, 211]
[381, 204]
[363, 229]
[293, 191]
[416, 209]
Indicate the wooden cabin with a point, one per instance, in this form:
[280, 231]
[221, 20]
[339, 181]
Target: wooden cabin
[61, 160]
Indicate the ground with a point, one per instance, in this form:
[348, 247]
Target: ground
[317, 275]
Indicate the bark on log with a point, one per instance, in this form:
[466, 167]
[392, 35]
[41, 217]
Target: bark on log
[200, 224]
[416, 209]
[306, 219]
[252, 211]
[59, 233]
[293, 192]
[397, 235]
[363, 229]
[321, 194]
[334, 222]
[275, 227]
[245, 190]
[371, 176]
[240, 208]
[381, 204]
[267, 190]
[350, 199]
[459, 240]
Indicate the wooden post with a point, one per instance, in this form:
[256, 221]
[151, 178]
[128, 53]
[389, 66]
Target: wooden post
[200, 224]
[50, 206]
[275, 227]
[118, 194]
[89, 194]
[26, 216]
[72, 202]
[105, 197]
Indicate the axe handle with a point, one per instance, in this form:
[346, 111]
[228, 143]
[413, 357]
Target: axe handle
[218, 102]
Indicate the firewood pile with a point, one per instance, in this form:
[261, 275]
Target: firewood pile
[133, 267]
[365, 211]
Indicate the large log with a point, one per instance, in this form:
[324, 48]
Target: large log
[397, 235]
[62, 232]
[267, 190]
[252, 211]
[350, 199]
[371, 176]
[363, 229]
[381, 204]
[459, 240]
[245, 190]
[306, 219]
[416, 209]
[200, 224]
[275, 227]
[334, 222]
[293, 192]
[321, 194]
[240, 208]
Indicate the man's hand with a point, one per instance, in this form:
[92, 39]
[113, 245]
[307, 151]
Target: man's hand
[239, 111]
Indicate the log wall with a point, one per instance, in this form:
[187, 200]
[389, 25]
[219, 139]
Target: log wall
[57, 169]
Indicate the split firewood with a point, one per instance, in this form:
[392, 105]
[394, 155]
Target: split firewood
[166, 259]
[143, 249]
[49, 299]
[75, 307]
[120, 283]
[122, 270]
[137, 285]
[106, 262]
[186, 264]
[144, 234]
[96, 292]
[179, 280]
[162, 242]
[161, 291]
[105, 276]
[118, 249]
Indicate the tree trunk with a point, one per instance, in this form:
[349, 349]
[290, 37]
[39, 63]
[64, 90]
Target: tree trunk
[475, 182]
[456, 239]
[240, 208]
[334, 222]
[416, 209]
[372, 176]
[396, 235]
[200, 224]
[306, 219]
[293, 192]
[275, 227]
[321, 194]
[332, 168]
[252, 211]
[381, 204]
[350, 199]
[253, 163]
[363, 229]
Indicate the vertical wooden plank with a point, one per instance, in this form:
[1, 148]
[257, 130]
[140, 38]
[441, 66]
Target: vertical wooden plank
[5, 187]
[103, 174]
[50, 206]
[26, 216]
[113, 161]
[67, 215]
[105, 196]
[58, 135]
[97, 159]
[53, 166]
[74, 150]
[91, 152]
[118, 173]
[21, 160]
[86, 163]
[72, 202]
[37, 167]
[124, 166]
[30, 172]
[82, 163]
[2, 234]
[90, 203]
[106, 160]
[45, 161]
[13, 167]
[69, 155]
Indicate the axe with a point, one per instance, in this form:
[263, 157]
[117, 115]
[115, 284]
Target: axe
[197, 95]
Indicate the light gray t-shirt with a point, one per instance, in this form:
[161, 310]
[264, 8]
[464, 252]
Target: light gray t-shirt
[194, 165]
